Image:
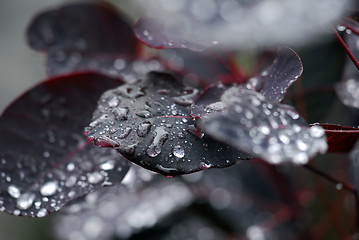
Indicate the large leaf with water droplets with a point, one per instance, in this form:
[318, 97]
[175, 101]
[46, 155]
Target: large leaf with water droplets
[45, 159]
[340, 138]
[150, 124]
[86, 27]
[285, 70]
[248, 121]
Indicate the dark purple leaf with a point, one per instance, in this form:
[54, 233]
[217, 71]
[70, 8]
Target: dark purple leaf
[249, 122]
[150, 124]
[85, 27]
[274, 81]
[45, 159]
[340, 138]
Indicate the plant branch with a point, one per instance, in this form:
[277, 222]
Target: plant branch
[346, 49]
[345, 185]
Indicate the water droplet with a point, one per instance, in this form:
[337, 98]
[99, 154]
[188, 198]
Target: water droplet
[144, 114]
[217, 106]
[107, 165]
[113, 102]
[13, 191]
[25, 201]
[161, 135]
[70, 167]
[124, 133]
[339, 186]
[143, 129]
[204, 166]
[46, 154]
[186, 99]
[341, 28]
[119, 64]
[120, 113]
[178, 151]
[41, 213]
[316, 131]
[94, 177]
[70, 181]
[49, 188]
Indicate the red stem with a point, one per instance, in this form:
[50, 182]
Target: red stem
[345, 186]
[346, 49]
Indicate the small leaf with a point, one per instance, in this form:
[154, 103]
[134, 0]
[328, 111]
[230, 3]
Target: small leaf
[340, 138]
[45, 161]
[150, 124]
[273, 131]
[86, 27]
[285, 70]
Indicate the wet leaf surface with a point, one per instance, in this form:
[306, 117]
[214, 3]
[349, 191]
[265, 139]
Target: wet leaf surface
[85, 27]
[285, 70]
[45, 159]
[150, 124]
[340, 138]
[248, 121]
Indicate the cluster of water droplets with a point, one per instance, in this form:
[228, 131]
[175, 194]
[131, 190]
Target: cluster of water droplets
[272, 131]
[140, 202]
[65, 183]
[348, 92]
[61, 62]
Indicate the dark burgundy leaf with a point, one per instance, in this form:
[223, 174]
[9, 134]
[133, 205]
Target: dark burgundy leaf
[85, 27]
[45, 159]
[150, 123]
[249, 122]
[286, 69]
[340, 138]
[157, 34]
